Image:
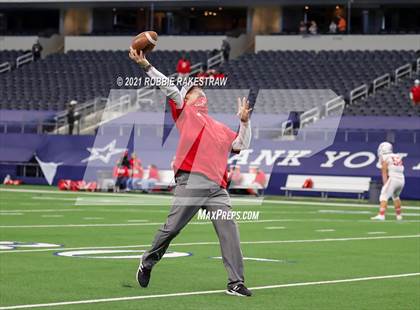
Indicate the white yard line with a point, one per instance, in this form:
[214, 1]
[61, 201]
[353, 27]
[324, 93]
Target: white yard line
[217, 243]
[76, 209]
[274, 227]
[247, 200]
[10, 213]
[195, 223]
[285, 285]
[131, 224]
[137, 221]
[53, 198]
[376, 233]
[257, 259]
[42, 210]
[344, 212]
[325, 230]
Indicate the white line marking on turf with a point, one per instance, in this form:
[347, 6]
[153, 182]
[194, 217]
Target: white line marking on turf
[285, 285]
[275, 227]
[268, 201]
[325, 230]
[53, 198]
[256, 259]
[83, 225]
[344, 212]
[43, 210]
[217, 243]
[197, 223]
[411, 214]
[376, 233]
[11, 213]
[137, 221]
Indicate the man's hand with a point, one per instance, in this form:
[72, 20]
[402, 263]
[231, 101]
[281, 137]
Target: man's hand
[243, 109]
[138, 58]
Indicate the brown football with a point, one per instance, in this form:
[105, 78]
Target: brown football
[145, 41]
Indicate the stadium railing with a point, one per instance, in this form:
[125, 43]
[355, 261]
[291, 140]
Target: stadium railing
[259, 132]
[5, 67]
[25, 58]
[333, 105]
[358, 93]
[215, 60]
[382, 81]
[418, 66]
[94, 114]
[28, 127]
[401, 72]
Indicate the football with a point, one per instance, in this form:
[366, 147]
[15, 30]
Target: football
[145, 41]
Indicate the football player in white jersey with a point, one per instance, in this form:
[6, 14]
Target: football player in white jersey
[393, 180]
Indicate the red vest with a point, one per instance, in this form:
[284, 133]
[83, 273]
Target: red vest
[204, 143]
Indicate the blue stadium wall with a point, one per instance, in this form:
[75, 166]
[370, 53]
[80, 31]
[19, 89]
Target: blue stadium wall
[74, 154]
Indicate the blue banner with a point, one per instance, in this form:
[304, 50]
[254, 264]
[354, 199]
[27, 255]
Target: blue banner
[72, 154]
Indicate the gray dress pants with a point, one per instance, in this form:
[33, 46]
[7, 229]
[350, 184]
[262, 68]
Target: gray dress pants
[192, 192]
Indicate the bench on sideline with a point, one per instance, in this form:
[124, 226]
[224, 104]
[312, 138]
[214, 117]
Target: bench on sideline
[327, 184]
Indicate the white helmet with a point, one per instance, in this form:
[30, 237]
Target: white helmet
[384, 148]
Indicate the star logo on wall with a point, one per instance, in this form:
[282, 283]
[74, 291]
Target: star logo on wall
[104, 154]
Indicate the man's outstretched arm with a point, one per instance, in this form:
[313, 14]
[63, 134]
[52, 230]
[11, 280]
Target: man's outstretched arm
[243, 140]
[171, 91]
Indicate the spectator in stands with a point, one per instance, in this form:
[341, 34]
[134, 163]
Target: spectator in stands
[225, 50]
[333, 27]
[136, 173]
[218, 75]
[415, 93]
[173, 163]
[259, 183]
[124, 160]
[303, 29]
[120, 174]
[342, 24]
[313, 28]
[212, 73]
[36, 50]
[203, 72]
[235, 175]
[149, 183]
[183, 67]
[71, 115]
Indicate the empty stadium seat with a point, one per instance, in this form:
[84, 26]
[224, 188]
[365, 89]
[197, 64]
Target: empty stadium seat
[51, 83]
[390, 101]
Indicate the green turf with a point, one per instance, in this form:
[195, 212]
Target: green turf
[35, 277]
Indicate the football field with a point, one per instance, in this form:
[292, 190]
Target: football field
[65, 250]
